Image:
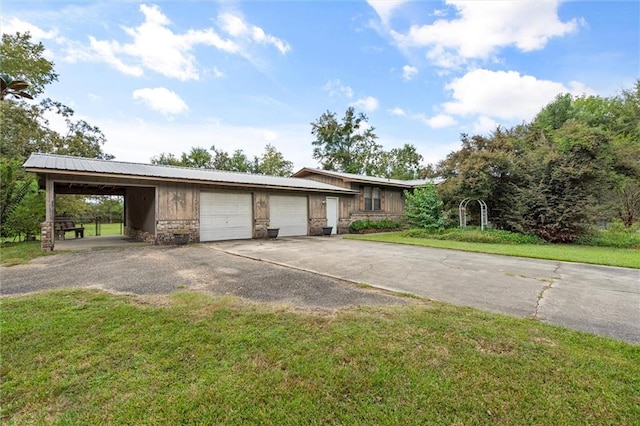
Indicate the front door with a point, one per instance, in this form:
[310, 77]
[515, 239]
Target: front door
[332, 213]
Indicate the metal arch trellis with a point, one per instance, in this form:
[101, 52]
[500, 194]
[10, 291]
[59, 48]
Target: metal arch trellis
[462, 209]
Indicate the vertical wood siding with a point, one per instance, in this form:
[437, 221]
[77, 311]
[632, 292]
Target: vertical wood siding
[178, 201]
[140, 209]
[394, 201]
[328, 180]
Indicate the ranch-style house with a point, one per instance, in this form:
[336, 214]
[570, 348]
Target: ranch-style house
[218, 205]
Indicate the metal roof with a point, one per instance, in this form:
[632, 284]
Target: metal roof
[350, 177]
[48, 163]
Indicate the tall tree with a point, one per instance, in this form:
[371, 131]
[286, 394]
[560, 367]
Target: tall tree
[347, 146]
[273, 163]
[235, 162]
[198, 158]
[575, 165]
[400, 163]
[25, 73]
[24, 60]
[24, 126]
[166, 159]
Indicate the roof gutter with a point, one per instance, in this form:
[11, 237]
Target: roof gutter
[192, 181]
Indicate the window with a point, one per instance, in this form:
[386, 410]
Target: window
[371, 198]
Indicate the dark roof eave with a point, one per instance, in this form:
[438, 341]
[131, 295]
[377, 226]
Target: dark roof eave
[307, 171]
[193, 181]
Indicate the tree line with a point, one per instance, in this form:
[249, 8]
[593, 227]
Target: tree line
[24, 74]
[271, 162]
[347, 145]
[576, 165]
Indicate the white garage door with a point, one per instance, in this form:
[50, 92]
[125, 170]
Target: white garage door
[225, 216]
[289, 213]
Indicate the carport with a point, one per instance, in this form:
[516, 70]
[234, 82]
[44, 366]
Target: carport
[139, 201]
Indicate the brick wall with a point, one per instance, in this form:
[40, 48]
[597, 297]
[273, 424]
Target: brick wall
[166, 228]
[47, 236]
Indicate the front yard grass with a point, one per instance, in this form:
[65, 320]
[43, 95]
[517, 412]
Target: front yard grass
[628, 258]
[20, 253]
[87, 357]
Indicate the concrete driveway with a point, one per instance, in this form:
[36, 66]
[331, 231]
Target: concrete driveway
[597, 299]
[149, 270]
[311, 273]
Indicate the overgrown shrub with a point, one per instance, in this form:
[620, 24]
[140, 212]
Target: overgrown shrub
[611, 238]
[423, 208]
[474, 235]
[359, 226]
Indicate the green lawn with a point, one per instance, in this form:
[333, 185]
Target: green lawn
[86, 357]
[20, 253]
[629, 258]
[105, 229]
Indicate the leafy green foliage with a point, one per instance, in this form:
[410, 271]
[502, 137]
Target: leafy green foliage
[359, 226]
[271, 162]
[24, 60]
[14, 187]
[474, 235]
[611, 238]
[348, 146]
[25, 72]
[400, 163]
[423, 208]
[24, 222]
[575, 165]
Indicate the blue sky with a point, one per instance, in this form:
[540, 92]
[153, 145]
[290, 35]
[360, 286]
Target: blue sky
[165, 76]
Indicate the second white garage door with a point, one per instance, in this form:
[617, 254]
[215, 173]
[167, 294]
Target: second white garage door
[225, 216]
[289, 213]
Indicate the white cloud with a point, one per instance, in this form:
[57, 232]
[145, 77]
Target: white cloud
[408, 72]
[483, 27]
[577, 88]
[438, 121]
[385, 8]
[105, 51]
[484, 125]
[162, 100]
[215, 71]
[234, 25]
[397, 111]
[368, 104]
[335, 87]
[505, 95]
[18, 25]
[270, 135]
[156, 46]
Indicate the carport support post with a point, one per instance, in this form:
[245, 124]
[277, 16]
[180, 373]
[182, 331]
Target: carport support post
[47, 231]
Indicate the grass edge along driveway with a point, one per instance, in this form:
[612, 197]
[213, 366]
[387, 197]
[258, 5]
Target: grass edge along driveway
[88, 357]
[626, 258]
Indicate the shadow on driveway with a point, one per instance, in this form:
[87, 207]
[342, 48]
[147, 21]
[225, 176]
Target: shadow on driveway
[149, 270]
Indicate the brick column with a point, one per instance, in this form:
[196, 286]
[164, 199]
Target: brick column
[47, 236]
[47, 228]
